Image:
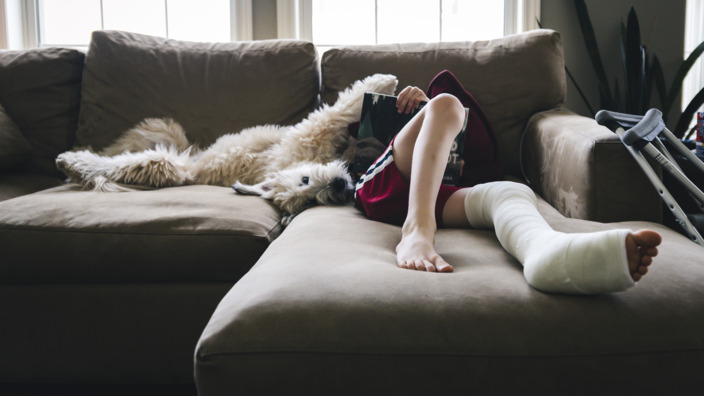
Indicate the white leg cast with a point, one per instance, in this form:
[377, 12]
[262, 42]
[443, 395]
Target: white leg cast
[583, 263]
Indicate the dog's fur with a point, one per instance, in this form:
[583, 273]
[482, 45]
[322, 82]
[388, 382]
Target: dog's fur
[293, 166]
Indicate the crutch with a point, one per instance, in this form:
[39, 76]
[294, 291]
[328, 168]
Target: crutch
[642, 136]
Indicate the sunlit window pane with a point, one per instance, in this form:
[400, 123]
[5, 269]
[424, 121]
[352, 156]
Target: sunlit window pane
[68, 22]
[138, 16]
[343, 22]
[472, 20]
[349, 22]
[405, 21]
[202, 20]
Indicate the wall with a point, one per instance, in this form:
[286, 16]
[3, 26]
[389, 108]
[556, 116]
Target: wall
[667, 40]
[264, 19]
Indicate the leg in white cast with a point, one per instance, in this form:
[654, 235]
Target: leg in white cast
[584, 263]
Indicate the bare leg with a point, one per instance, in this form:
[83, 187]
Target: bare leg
[420, 152]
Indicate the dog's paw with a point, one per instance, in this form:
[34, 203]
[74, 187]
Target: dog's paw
[239, 188]
[245, 189]
[66, 163]
[286, 219]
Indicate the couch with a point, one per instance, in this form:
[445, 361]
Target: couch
[199, 284]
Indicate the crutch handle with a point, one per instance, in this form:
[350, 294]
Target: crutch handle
[614, 120]
[641, 129]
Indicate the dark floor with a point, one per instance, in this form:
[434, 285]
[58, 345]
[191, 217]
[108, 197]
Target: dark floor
[97, 390]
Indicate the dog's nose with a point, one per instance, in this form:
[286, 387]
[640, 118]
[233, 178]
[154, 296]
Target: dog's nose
[338, 184]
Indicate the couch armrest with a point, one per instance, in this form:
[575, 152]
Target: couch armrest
[584, 171]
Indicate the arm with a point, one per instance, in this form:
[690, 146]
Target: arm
[584, 171]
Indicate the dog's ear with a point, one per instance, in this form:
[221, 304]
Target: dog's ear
[264, 189]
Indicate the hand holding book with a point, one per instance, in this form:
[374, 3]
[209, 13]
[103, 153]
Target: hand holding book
[410, 99]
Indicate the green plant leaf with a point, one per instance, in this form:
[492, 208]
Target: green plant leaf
[635, 68]
[622, 47]
[688, 113]
[659, 79]
[585, 25]
[678, 81]
[579, 90]
[647, 84]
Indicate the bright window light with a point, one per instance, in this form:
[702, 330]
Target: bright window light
[71, 22]
[202, 20]
[344, 22]
[407, 21]
[138, 16]
[350, 22]
[68, 22]
[472, 20]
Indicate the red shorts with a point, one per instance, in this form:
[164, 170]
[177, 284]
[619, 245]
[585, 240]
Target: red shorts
[382, 193]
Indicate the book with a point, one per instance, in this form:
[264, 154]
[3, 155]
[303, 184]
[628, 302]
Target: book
[379, 124]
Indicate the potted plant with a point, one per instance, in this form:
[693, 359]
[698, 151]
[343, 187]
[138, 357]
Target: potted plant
[641, 71]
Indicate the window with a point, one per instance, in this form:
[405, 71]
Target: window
[69, 23]
[338, 22]
[694, 34]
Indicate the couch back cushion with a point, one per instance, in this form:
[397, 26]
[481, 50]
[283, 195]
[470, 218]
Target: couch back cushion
[40, 91]
[512, 77]
[210, 88]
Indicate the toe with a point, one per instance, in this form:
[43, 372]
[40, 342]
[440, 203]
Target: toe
[646, 261]
[652, 252]
[443, 266]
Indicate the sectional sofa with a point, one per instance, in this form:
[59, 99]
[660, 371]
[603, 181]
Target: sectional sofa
[199, 284]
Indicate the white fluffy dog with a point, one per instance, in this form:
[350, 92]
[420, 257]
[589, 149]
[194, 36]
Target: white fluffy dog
[293, 166]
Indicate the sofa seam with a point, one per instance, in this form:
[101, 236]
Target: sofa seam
[205, 357]
[94, 232]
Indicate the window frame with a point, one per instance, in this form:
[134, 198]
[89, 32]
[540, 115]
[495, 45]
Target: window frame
[24, 33]
[3, 25]
[294, 17]
[693, 34]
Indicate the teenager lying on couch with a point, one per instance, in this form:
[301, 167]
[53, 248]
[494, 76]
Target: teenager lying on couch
[408, 177]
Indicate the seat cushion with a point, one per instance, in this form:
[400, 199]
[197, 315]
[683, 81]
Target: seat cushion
[326, 310]
[210, 88]
[190, 233]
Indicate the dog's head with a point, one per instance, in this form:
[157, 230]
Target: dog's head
[299, 187]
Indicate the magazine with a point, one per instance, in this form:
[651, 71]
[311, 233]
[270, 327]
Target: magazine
[381, 121]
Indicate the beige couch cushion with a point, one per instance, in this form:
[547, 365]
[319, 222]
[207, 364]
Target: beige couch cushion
[40, 90]
[192, 233]
[326, 310]
[512, 77]
[14, 148]
[210, 88]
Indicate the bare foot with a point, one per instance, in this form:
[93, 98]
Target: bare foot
[416, 251]
[641, 247]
